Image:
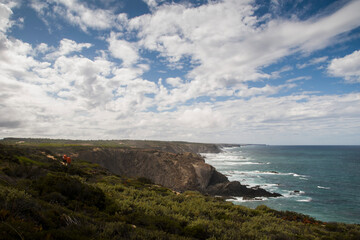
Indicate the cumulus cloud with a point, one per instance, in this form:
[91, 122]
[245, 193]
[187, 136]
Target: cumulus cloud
[227, 47]
[124, 50]
[77, 13]
[246, 44]
[5, 13]
[153, 3]
[267, 90]
[66, 47]
[174, 82]
[204, 117]
[43, 48]
[347, 67]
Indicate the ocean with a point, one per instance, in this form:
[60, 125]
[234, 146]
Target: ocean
[320, 181]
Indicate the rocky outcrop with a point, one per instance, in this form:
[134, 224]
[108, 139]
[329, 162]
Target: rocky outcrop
[178, 171]
[235, 189]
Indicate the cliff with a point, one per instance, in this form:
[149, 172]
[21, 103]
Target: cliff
[178, 171]
[175, 165]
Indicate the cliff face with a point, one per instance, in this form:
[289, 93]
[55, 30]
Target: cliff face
[178, 171]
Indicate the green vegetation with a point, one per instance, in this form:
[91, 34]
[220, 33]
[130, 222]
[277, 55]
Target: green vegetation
[42, 199]
[169, 146]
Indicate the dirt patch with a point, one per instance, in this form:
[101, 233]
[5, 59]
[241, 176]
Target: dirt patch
[51, 157]
[96, 149]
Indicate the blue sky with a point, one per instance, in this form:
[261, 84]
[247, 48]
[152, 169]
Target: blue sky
[265, 71]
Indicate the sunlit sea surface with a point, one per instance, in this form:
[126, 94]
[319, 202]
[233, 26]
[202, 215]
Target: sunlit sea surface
[320, 181]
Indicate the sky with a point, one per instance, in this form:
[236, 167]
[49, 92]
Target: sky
[221, 71]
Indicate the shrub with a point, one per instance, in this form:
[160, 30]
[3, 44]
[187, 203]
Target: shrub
[55, 198]
[22, 171]
[197, 229]
[113, 230]
[71, 188]
[17, 202]
[145, 180]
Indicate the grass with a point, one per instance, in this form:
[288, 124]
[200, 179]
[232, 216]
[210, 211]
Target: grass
[56, 143]
[42, 199]
[27, 161]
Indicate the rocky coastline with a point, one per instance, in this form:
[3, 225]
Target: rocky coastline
[178, 171]
[173, 164]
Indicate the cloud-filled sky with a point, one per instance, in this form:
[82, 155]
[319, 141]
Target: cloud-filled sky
[235, 71]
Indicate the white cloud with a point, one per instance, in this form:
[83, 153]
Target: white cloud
[174, 82]
[301, 78]
[153, 3]
[16, 60]
[204, 118]
[12, 3]
[276, 74]
[43, 48]
[77, 13]
[228, 45]
[313, 61]
[124, 50]
[66, 47]
[5, 13]
[80, 96]
[39, 6]
[96, 99]
[267, 90]
[347, 67]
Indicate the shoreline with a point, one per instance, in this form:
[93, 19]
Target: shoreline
[303, 197]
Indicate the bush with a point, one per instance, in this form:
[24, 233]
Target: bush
[17, 202]
[115, 229]
[55, 198]
[145, 180]
[22, 171]
[197, 230]
[71, 188]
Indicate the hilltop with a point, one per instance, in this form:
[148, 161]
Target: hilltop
[167, 146]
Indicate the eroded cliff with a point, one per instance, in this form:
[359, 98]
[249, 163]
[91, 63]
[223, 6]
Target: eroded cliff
[178, 171]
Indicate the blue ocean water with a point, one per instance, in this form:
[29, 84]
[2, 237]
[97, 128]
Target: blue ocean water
[320, 181]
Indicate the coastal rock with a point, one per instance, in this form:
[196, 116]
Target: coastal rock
[178, 171]
[236, 189]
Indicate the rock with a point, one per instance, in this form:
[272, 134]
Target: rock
[252, 199]
[236, 189]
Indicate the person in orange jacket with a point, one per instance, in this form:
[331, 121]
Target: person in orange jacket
[68, 160]
[64, 159]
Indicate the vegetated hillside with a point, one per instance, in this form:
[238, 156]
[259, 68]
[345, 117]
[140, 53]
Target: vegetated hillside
[42, 199]
[178, 171]
[166, 146]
